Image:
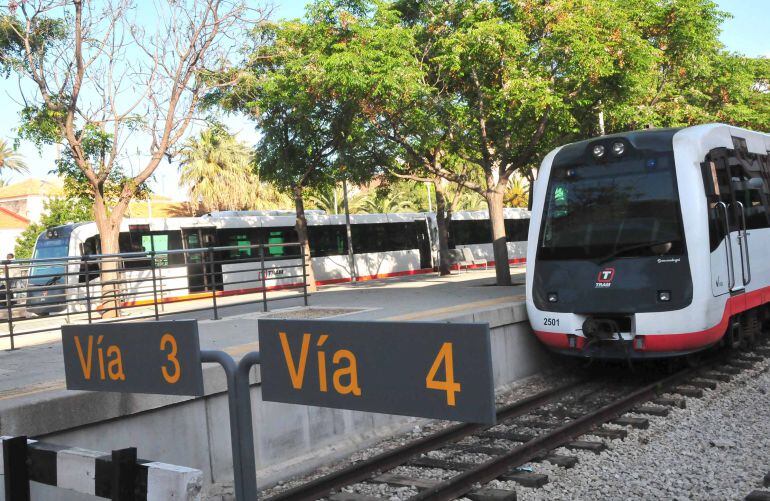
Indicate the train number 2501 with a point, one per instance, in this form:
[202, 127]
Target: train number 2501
[551, 321]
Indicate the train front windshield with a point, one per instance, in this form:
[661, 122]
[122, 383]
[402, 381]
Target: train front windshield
[627, 208]
[49, 274]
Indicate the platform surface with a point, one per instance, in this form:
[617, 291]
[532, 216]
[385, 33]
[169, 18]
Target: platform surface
[39, 368]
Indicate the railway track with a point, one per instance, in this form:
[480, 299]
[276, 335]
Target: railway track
[528, 430]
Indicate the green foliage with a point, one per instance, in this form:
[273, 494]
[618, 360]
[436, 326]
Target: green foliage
[96, 145]
[10, 159]
[312, 135]
[58, 211]
[217, 170]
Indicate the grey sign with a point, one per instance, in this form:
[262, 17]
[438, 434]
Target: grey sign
[137, 357]
[434, 370]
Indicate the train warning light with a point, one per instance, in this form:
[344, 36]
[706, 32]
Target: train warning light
[598, 151]
[618, 148]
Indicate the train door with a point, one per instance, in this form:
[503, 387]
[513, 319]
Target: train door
[201, 273]
[423, 243]
[730, 259]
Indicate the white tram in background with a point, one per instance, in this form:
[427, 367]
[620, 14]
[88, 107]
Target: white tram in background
[652, 243]
[384, 245]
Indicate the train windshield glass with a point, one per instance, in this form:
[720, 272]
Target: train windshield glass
[628, 208]
[49, 274]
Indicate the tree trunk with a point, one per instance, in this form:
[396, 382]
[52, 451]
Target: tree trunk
[109, 233]
[301, 227]
[530, 189]
[442, 224]
[499, 246]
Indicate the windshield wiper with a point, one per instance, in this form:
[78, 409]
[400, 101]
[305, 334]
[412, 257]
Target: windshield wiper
[623, 250]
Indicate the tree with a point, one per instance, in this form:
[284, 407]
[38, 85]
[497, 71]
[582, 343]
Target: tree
[312, 136]
[330, 199]
[216, 169]
[57, 211]
[74, 54]
[393, 197]
[10, 160]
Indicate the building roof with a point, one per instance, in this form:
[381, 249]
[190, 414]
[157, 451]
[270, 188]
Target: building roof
[9, 220]
[32, 187]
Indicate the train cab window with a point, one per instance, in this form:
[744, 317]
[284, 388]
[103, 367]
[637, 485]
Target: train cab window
[621, 209]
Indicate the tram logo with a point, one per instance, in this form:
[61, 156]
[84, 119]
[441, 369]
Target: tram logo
[605, 278]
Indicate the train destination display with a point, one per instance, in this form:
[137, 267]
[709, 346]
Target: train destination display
[425, 369]
[144, 357]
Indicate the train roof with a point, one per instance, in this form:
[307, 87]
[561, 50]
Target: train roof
[662, 139]
[257, 219]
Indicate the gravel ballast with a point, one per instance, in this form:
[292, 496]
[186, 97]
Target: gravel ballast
[717, 448]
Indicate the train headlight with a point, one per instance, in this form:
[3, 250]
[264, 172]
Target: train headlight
[598, 151]
[553, 297]
[664, 296]
[618, 148]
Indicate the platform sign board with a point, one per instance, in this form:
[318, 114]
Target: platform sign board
[134, 357]
[424, 369]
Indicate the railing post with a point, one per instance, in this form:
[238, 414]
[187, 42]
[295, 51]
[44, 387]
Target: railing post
[262, 273]
[123, 478]
[88, 287]
[304, 273]
[15, 472]
[154, 288]
[8, 304]
[210, 267]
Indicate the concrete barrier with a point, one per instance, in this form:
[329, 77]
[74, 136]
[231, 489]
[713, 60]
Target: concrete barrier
[57, 472]
[289, 439]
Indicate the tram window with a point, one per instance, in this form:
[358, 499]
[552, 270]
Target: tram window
[383, 237]
[88, 248]
[328, 240]
[243, 238]
[469, 232]
[153, 241]
[516, 230]
[277, 236]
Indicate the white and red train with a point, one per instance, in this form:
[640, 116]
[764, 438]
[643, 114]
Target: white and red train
[651, 244]
[384, 245]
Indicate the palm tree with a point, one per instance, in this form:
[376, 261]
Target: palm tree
[217, 171]
[398, 198]
[517, 194]
[10, 159]
[331, 200]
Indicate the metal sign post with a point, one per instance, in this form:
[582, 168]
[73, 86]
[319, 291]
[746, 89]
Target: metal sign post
[163, 358]
[241, 431]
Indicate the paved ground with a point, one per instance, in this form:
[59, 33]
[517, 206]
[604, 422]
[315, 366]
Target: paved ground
[39, 368]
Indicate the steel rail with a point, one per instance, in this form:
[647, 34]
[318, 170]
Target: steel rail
[362, 470]
[485, 472]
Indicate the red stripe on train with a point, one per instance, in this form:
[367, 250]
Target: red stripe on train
[681, 341]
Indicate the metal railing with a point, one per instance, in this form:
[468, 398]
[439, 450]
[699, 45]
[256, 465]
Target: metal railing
[39, 295]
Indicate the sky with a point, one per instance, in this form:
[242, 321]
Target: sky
[745, 33]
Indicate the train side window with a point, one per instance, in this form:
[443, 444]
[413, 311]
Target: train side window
[328, 240]
[281, 235]
[242, 238]
[470, 232]
[516, 230]
[91, 270]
